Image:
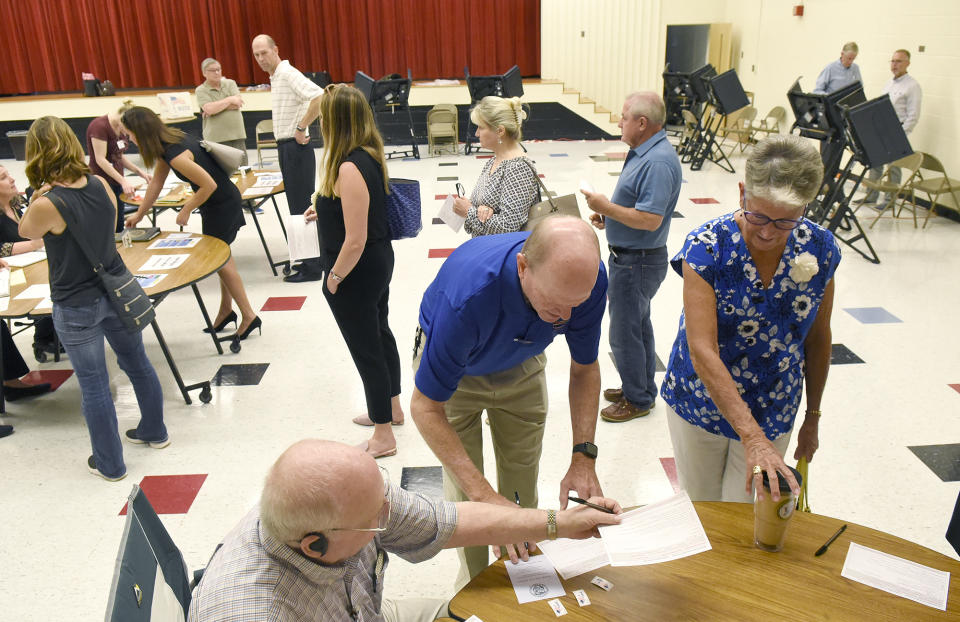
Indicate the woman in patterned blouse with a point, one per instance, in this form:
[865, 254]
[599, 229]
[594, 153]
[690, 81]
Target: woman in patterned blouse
[507, 186]
[757, 297]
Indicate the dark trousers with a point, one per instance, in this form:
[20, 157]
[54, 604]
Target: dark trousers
[360, 309]
[298, 165]
[13, 364]
[953, 530]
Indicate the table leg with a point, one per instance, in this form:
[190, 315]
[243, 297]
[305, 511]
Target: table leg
[253, 212]
[276, 208]
[206, 317]
[205, 394]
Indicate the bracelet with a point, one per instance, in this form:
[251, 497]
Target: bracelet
[336, 277]
[814, 412]
[301, 129]
[551, 524]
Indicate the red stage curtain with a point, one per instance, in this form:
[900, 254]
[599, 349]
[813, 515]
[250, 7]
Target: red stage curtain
[160, 43]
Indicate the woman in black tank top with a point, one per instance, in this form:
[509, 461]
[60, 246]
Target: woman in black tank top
[356, 254]
[82, 314]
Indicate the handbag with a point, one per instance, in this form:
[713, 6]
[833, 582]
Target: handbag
[403, 209]
[228, 158]
[565, 205]
[124, 292]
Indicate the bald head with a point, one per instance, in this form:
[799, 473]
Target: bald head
[266, 53]
[558, 266]
[315, 485]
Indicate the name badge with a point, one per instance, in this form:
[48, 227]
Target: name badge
[121, 145]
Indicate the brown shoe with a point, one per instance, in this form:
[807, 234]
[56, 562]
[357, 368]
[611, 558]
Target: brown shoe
[613, 395]
[622, 411]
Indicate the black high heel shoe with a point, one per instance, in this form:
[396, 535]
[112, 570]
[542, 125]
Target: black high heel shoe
[256, 323]
[231, 317]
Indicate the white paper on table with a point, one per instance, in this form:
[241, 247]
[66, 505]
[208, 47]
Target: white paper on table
[253, 191]
[662, 531]
[25, 259]
[302, 238]
[174, 243]
[163, 262]
[5, 283]
[178, 235]
[44, 304]
[901, 577]
[450, 217]
[572, 558]
[4, 303]
[268, 181]
[534, 579]
[35, 291]
[149, 280]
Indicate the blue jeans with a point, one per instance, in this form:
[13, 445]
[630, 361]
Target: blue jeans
[633, 281]
[82, 330]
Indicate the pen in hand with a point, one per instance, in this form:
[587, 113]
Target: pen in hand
[823, 549]
[590, 505]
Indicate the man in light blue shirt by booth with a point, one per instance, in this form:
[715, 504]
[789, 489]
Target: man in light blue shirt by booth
[637, 220]
[840, 73]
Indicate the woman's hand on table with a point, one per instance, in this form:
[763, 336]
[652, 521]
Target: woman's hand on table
[132, 220]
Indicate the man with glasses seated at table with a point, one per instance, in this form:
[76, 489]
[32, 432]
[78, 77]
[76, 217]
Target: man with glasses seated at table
[316, 547]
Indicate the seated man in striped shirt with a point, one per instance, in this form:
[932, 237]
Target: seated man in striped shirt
[316, 547]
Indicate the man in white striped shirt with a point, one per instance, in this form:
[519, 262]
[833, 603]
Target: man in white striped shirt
[296, 104]
[316, 548]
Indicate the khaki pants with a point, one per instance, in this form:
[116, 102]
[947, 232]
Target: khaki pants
[516, 403]
[711, 467]
[413, 609]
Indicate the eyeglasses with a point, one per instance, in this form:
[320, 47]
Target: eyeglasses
[761, 220]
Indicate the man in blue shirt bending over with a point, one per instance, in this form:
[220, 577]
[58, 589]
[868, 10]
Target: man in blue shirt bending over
[496, 304]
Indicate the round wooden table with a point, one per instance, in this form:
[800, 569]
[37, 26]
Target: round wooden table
[206, 257]
[733, 581]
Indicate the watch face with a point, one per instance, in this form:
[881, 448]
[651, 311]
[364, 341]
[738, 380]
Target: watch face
[587, 449]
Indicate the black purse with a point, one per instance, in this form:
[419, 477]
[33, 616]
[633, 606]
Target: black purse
[124, 292]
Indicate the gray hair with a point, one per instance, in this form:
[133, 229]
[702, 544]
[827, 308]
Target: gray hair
[784, 169]
[647, 104]
[207, 62]
[495, 112]
[851, 46]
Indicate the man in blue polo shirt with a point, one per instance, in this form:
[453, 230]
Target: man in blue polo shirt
[637, 220]
[496, 304]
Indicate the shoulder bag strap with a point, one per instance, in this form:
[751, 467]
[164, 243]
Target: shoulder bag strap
[71, 220]
[546, 193]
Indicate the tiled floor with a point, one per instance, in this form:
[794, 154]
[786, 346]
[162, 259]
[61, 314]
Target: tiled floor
[60, 525]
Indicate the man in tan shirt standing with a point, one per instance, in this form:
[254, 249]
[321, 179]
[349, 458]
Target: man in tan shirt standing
[220, 101]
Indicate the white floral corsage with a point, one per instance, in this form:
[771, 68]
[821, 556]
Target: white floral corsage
[803, 267]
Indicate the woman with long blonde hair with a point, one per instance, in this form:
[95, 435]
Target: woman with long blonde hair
[357, 256]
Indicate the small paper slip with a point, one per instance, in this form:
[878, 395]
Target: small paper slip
[557, 607]
[901, 577]
[4, 283]
[474, 619]
[17, 277]
[174, 243]
[662, 531]
[586, 185]
[450, 217]
[534, 579]
[302, 238]
[25, 259]
[149, 280]
[572, 558]
[582, 599]
[35, 291]
[602, 583]
[163, 262]
[4, 303]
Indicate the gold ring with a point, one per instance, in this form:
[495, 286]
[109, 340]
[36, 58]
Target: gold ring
[757, 470]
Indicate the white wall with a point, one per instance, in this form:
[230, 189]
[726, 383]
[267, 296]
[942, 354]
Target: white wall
[623, 50]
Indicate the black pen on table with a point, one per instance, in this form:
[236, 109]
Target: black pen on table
[823, 549]
[590, 505]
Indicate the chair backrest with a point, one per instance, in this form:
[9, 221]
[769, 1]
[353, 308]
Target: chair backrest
[688, 117]
[778, 114]
[441, 115]
[264, 127]
[910, 163]
[930, 163]
[747, 116]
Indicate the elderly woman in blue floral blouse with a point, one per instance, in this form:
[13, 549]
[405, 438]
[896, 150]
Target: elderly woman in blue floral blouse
[757, 296]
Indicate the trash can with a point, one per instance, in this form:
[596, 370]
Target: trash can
[18, 143]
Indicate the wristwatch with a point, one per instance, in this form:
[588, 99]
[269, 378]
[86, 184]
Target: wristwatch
[301, 129]
[551, 524]
[588, 449]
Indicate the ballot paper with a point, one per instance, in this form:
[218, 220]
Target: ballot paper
[572, 558]
[659, 532]
[901, 577]
[534, 579]
[302, 238]
[178, 235]
[168, 242]
[163, 262]
[149, 280]
[268, 181]
[25, 259]
[35, 291]
[4, 304]
[450, 217]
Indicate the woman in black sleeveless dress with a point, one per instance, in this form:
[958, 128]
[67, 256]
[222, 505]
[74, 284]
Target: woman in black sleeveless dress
[356, 254]
[217, 197]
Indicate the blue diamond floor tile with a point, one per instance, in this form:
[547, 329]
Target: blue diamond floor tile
[842, 355]
[245, 374]
[873, 315]
[943, 460]
[677, 214]
[425, 480]
[559, 155]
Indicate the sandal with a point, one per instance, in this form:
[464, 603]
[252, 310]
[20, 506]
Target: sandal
[364, 446]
